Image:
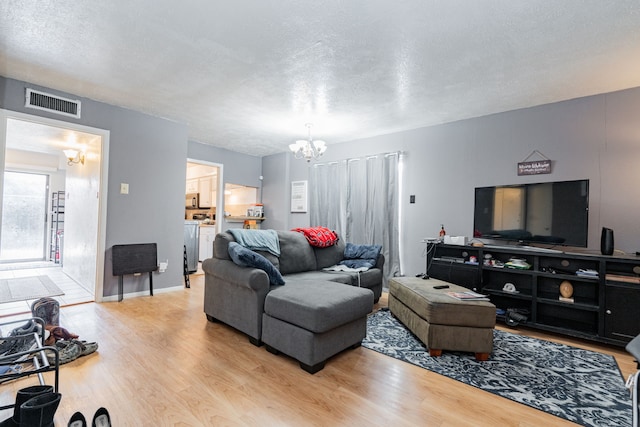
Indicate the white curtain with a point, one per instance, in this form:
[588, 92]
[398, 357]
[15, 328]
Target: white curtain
[358, 198]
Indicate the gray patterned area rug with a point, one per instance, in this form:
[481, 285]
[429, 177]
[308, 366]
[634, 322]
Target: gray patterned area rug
[26, 288]
[575, 384]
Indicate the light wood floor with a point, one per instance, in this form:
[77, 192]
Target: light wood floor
[161, 363]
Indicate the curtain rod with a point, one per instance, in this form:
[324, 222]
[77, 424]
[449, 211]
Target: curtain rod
[353, 159]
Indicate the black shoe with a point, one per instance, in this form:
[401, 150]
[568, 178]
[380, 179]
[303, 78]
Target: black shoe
[77, 420]
[22, 396]
[39, 411]
[101, 418]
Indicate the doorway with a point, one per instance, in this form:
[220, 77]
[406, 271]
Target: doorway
[204, 185]
[24, 219]
[35, 144]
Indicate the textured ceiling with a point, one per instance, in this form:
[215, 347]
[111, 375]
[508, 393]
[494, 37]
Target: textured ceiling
[247, 75]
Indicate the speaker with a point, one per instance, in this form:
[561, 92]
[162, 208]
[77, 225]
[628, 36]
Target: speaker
[606, 241]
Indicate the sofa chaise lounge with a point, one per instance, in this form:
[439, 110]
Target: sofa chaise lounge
[315, 315]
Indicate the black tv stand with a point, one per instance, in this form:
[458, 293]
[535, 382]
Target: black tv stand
[601, 307]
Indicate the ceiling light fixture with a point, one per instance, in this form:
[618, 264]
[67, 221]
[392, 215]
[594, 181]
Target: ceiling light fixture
[74, 156]
[308, 149]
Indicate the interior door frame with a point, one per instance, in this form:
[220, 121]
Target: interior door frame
[219, 191]
[104, 134]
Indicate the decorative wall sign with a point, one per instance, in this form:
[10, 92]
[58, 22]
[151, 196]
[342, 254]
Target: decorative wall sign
[535, 167]
[298, 196]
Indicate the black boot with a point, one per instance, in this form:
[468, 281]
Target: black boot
[22, 396]
[39, 411]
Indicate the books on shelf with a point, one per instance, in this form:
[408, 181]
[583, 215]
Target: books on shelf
[587, 273]
[468, 296]
[622, 278]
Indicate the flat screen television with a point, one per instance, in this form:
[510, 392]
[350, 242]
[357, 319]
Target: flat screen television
[554, 213]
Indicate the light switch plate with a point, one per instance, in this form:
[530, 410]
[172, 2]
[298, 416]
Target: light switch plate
[124, 188]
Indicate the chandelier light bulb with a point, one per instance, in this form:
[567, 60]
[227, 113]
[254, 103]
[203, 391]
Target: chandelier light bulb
[308, 149]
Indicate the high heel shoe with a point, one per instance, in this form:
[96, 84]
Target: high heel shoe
[77, 420]
[101, 418]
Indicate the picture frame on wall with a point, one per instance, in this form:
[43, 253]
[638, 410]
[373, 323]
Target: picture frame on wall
[299, 199]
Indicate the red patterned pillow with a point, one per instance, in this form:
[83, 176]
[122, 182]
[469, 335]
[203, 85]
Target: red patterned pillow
[320, 237]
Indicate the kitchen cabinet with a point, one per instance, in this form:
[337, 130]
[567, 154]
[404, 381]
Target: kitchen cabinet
[204, 188]
[192, 186]
[207, 235]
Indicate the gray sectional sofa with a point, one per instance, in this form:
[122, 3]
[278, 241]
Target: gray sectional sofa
[313, 316]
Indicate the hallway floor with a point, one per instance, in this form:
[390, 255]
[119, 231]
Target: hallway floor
[74, 293]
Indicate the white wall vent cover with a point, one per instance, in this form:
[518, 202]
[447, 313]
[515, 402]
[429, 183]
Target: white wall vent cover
[52, 103]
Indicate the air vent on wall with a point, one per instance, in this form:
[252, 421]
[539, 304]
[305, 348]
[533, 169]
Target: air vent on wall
[52, 103]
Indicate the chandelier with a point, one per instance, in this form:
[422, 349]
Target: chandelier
[308, 149]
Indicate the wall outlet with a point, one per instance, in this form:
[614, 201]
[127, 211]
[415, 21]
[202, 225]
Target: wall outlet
[124, 188]
[163, 266]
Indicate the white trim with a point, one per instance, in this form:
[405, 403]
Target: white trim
[104, 134]
[114, 298]
[30, 168]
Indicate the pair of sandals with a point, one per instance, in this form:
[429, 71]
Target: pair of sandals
[70, 350]
[100, 419]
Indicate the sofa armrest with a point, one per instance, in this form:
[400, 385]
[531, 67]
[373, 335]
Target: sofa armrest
[230, 272]
[380, 262]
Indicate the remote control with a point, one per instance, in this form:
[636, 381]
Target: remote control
[441, 287]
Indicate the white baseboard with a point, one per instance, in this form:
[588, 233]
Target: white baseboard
[112, 298]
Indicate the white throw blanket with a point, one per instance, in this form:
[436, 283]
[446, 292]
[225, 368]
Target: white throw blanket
[340, 267]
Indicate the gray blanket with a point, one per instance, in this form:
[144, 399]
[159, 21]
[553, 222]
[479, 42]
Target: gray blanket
[257, 240]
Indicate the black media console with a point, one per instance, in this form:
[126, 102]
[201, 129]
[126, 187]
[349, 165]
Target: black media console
[601, 308]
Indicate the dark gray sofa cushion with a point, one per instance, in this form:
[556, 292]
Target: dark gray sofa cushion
[296, 254]
[338, 277]
[318, 306]
[364, 279]
[332, 255]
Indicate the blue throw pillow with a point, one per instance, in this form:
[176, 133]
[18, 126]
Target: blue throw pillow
[358, 256]
[247, 258]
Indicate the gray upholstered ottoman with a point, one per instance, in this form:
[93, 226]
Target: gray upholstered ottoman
[440, 321]
[314, 320]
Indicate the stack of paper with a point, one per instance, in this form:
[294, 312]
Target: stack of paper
[468, 296]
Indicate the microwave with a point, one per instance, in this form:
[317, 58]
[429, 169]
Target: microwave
[192, 201]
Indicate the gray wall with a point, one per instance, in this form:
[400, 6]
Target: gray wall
[148, 153]
[595, 138]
